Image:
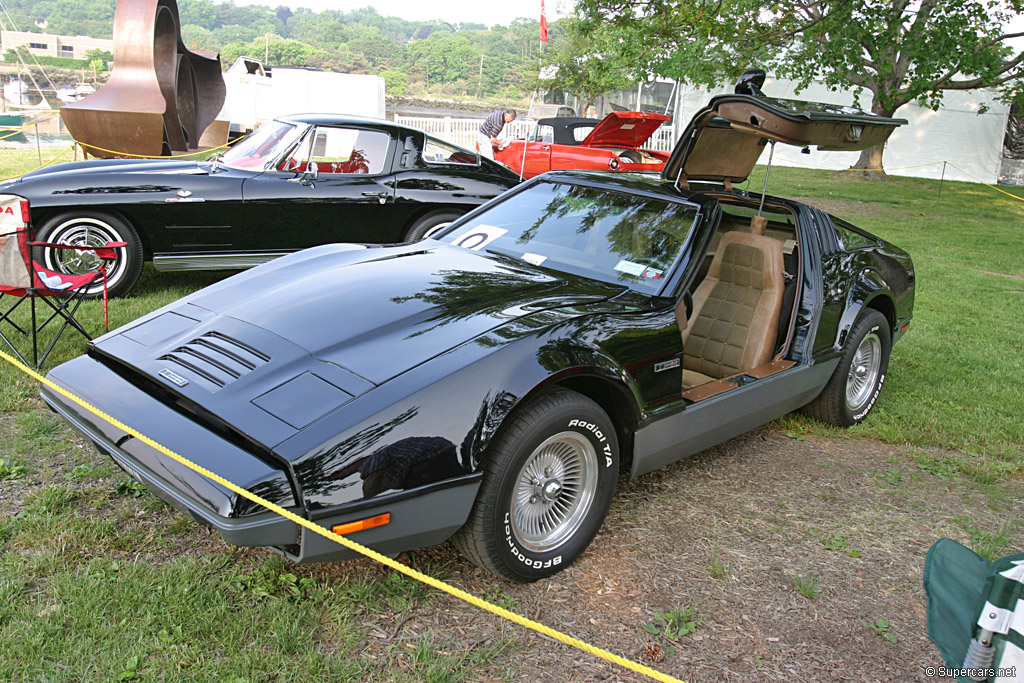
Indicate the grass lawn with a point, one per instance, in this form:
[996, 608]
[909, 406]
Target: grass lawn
[99, 580]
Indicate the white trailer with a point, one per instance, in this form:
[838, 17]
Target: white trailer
[257, 94]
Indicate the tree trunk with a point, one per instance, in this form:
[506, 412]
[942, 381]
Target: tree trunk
[870, 162]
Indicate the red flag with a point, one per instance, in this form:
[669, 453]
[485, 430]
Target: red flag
[543, 23]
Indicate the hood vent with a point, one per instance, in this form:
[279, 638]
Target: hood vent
[215, 360]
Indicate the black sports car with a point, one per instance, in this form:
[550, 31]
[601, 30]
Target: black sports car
[492, 382]
[296, 182]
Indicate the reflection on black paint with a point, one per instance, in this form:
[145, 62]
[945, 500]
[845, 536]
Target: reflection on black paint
[406, 464]
[428, 184]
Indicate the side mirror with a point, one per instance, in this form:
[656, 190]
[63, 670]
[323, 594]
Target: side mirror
[307, 176]
[750, 82]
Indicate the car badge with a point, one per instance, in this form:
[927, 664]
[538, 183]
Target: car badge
[183, 193]
[667, 365]
[173, 377]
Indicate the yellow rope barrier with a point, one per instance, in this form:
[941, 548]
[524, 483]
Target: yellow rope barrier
[352, 545]
[151, 156]
[1009, 194]
[12, 132]
[59, 155]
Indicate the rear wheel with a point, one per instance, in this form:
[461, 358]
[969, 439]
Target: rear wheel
[428, 224]
[853, 389]
[92, 229]
[548, 482]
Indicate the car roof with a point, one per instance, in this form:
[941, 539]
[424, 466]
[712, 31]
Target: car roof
[341, 119]
[633, 183]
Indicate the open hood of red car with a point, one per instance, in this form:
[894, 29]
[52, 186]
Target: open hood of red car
[624, 129]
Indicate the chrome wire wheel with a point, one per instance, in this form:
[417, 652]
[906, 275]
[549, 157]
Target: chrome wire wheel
[80, 232]
[554, 491]
[864, 370]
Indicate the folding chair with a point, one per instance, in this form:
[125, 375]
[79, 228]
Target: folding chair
[976, 613]
[22, 279]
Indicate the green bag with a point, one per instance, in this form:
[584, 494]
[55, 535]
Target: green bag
[976, 613]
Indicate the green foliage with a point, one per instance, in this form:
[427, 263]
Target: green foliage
[395, 83]
[11, 469]
[989, 545]
[836, 543]
[881, 629]
[131, 488]
[443, 59]
[894, 52]
[104, 56]
[274, 581]
[808, 586]
[672, 627]
[578, 65]
[51, 500]
[11, 56]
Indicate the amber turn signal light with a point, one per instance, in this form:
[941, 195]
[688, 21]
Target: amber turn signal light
[368, 523]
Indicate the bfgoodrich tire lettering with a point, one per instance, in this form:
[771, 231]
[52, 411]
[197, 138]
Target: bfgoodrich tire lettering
[854, 387]
[548, 481]
[92, 229]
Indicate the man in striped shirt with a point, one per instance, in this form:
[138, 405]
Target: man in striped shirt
[490, 129]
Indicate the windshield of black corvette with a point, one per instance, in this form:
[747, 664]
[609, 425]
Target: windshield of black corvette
[610, 236]
[264, 145]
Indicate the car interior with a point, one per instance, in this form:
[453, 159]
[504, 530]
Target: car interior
[739, 318]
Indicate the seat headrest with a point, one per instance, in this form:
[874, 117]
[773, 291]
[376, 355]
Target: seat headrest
[758, 225]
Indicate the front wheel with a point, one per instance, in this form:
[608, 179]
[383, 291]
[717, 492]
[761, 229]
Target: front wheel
[92, 229]
[853, 389]
[548, 482]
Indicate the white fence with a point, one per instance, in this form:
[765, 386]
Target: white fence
[463, 132]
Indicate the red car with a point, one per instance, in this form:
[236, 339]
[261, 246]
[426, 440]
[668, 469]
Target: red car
[610, 144]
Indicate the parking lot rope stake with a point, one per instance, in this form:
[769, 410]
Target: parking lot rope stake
[352, 545]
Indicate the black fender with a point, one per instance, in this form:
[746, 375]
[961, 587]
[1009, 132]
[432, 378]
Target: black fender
[867, 290]
[431, 426]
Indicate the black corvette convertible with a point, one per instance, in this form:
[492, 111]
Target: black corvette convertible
[492, 382]
[295, 182]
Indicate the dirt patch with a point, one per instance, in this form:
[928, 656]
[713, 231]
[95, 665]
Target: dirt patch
[728, 532]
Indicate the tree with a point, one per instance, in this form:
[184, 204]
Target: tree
[574, 65]
[899, 51]
[444, 58]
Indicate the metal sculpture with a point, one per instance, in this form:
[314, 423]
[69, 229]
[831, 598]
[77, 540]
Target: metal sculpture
[161, 98]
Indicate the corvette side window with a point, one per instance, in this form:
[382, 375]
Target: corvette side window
[438, 152]
[340, 151]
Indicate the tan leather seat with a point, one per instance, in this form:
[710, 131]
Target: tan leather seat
[736, 308]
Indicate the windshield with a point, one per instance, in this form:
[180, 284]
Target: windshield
[262, 147]
[609, 236]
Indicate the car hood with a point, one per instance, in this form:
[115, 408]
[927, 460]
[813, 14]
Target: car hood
[302, 335]
[625, 129]
[725, 139]
[98, 166]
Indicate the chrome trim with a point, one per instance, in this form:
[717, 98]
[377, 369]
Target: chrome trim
[213, 261]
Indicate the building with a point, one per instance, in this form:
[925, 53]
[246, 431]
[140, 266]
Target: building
[44, 44]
